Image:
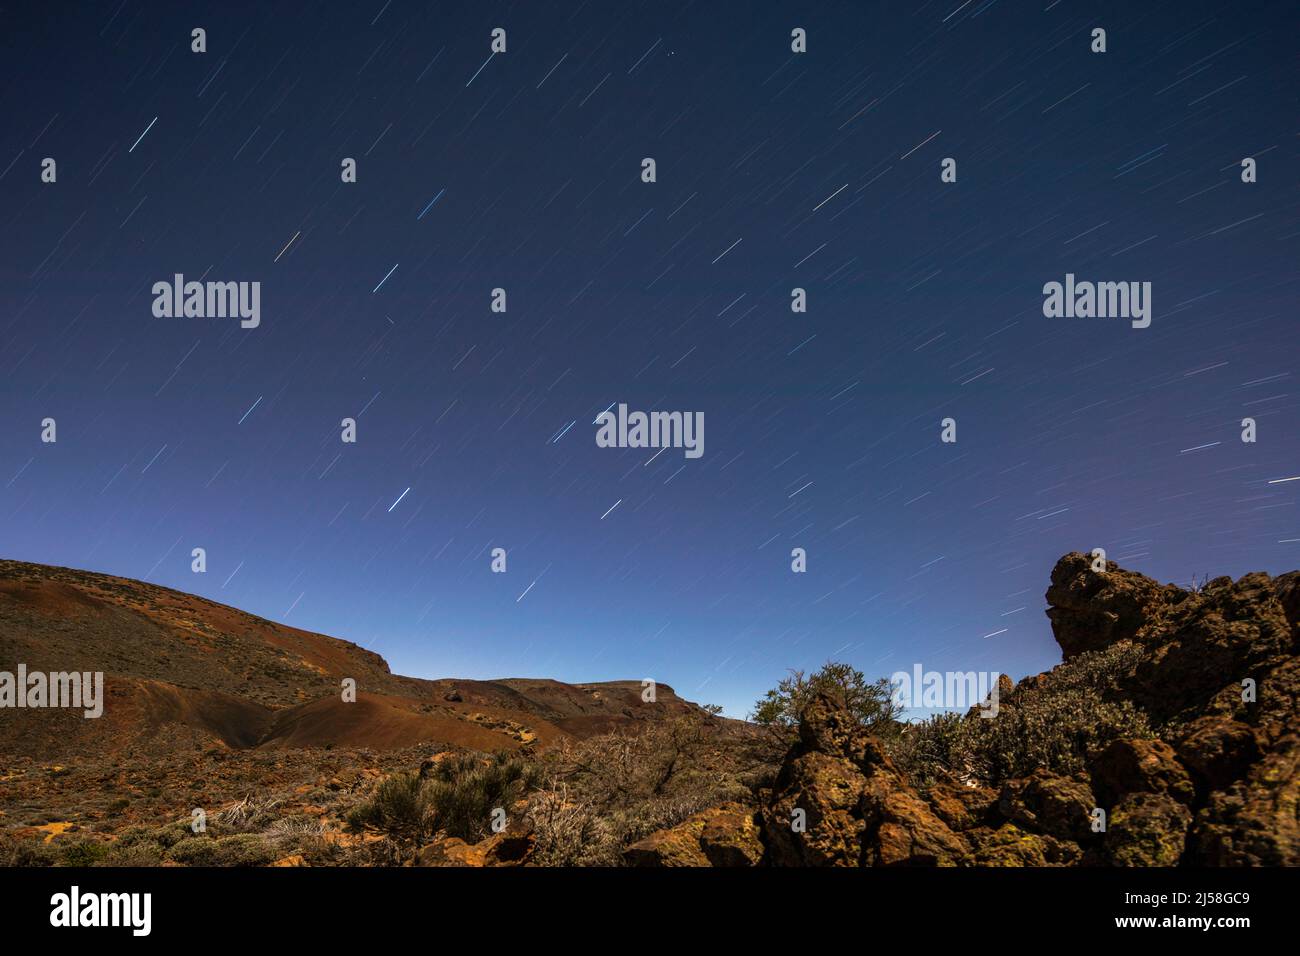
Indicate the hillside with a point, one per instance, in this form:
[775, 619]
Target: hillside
[184, 672]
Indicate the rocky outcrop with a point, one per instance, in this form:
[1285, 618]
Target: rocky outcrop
[1219, 678]
[510, 847]
[1287, 588]
[963, 807]
[1009, 845]
[1147, 829]
[1141, 766]
[723, 836]
[1256, 821]
[839, 801]
[731, 836]
[1059, 807]
[1091, 610]
[1213, 672]
[902, 829]
[452, 851]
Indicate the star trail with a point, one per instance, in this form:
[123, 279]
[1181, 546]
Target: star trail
[496, 273]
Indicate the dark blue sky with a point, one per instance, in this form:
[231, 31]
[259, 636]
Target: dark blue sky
[774, 170]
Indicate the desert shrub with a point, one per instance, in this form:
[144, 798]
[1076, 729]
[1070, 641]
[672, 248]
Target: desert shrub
[248, 815]
[134, 834]
[16, 851]
[164, 837]
[240, 849]
[1056, 731]
[201, 851]
[302, 835]
[293, 828]
[569, 832]
[873, 704]
[456, 796]
[609, 791]
[461, 791]
[244, 849]
[316, 850]
[1057, 724]
[141, 853]
[395, 808]
[929, 750]
[82, 853]
[383, 852]
[1103, 671]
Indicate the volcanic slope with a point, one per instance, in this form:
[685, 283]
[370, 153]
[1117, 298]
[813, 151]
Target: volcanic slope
[183, 672]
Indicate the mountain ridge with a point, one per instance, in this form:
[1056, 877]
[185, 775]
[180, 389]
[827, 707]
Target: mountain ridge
[175, 660]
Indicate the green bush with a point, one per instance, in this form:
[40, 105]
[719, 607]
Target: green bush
[244, 849]
[241, 849]
[82, 853]
[16, 851]
[609, 791]
[456, 796]
[1056, 724]
[164, 837]
[929, 750]
[461, 792]
[872, 704]
[1056, 731]
[395, 808]
[200, 851]
[140, 853]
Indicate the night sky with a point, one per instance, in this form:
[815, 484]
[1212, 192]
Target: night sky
[775, 170]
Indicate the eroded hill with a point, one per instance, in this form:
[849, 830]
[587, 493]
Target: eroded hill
[184, 672]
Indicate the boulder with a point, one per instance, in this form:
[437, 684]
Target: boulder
[1218, 750]
[1057, 806]
[962, 807]
[813, 817]
[451, 851]
[1256, 821]
[1147, 829]
[1009, 845]
[510, 847]
[1227, 632]
[675, 846]
[1141, 766]
[731, 836]
[1091, 610]
[1287, 588]
[1277, 710]
[902, 830]
[727, 835]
